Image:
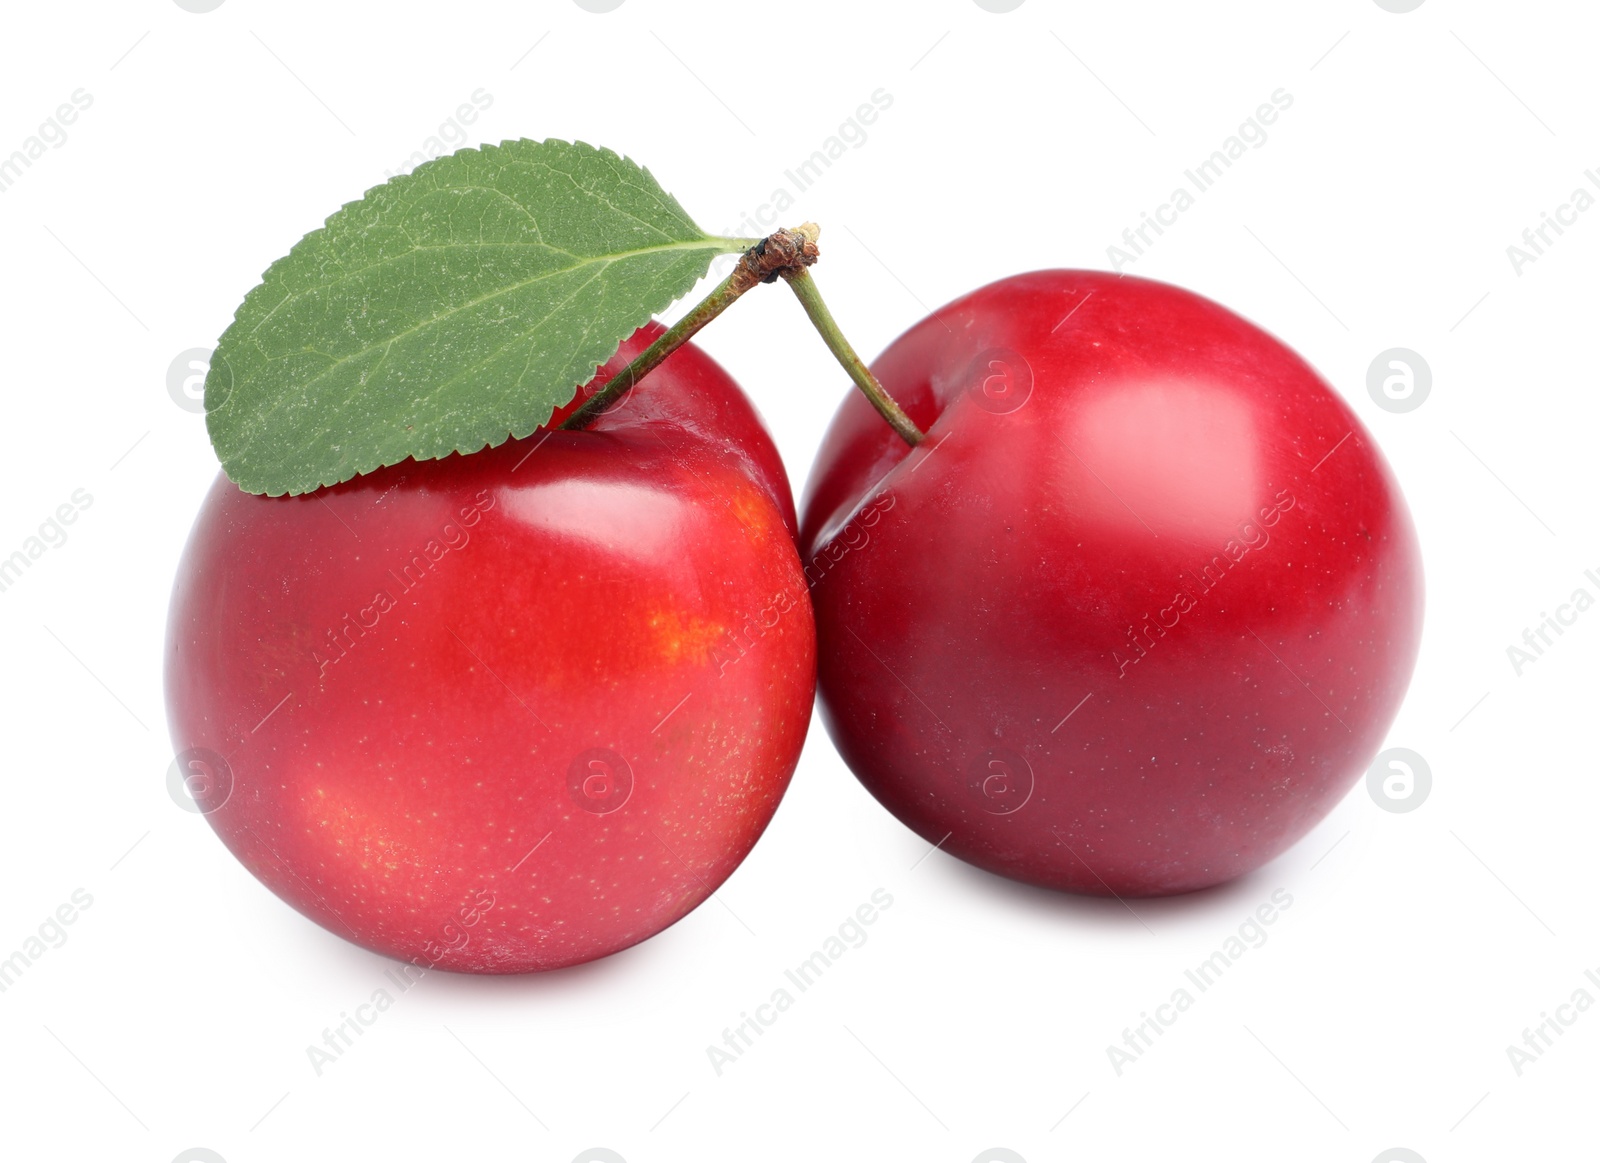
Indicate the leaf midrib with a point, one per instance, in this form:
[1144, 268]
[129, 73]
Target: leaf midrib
[717, 244]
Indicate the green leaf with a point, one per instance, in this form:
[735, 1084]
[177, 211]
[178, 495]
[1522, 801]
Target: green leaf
[446, 311]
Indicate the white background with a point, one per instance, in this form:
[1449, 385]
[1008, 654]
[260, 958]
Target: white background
[1377, 214]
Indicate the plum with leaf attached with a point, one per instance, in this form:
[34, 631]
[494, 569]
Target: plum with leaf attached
[492, 709]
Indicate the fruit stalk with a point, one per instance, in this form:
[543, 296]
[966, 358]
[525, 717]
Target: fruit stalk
[779, 253]
[785, 253]
[805, 289]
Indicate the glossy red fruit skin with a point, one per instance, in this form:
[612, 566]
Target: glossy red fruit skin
[420, 680]
[1136, 613]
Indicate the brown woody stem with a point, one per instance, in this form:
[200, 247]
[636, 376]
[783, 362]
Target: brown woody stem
[778, 253]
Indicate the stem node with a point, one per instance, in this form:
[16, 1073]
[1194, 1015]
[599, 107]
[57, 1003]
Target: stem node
[783, 253]
[777, 254]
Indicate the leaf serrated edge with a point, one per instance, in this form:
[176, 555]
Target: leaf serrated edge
[274, 273]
